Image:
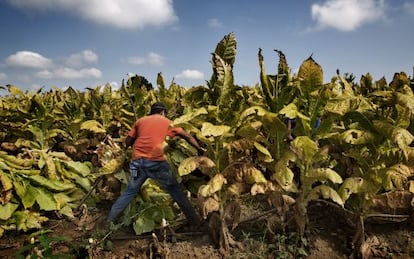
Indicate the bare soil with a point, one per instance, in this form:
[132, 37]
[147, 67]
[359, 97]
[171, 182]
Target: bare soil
[329, 235]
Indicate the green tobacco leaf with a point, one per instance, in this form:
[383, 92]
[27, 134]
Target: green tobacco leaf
[399, 136]
[304, 148]
[6, 182]
[20, 188]
[325, 192]
[339, 106]
[30, 196]
[284, 177]
[291, 111]
[267, 84]
[84, 182]
[143, 224]
[61, 199]
[67, 211]
[266, 156]
[349, 186]
[53, 185]
[45, 200]
[227, 48]
[7, 210]
[356, 137]
[190, 116]
[275, 127]
[92, 125]
[209, 129]
[311, 75]
[346, 87]
[406, 101]
[323, 174]
[188, 165]
[254, 110]
[247, 131]
[81, 168]
[224, 81]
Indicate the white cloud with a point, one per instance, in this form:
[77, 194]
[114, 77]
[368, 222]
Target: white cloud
[84, 57]
[119, 13]
[214, 23]
[70, 73]
[3, 76]
[152, 59]
[347, 15]
[190, 74]
[28, 59]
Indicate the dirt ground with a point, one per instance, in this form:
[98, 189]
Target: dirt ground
[328, 235]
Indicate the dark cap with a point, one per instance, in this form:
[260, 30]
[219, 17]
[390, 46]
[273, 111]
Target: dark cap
[158, 107]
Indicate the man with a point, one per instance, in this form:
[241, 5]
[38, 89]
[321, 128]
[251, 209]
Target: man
[148, 161]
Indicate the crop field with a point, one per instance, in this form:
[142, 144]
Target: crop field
[293, 167]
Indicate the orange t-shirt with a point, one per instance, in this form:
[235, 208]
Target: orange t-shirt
[149, 133]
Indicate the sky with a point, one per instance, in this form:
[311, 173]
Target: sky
[61, 43]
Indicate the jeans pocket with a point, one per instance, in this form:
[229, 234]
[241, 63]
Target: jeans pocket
[134, 173]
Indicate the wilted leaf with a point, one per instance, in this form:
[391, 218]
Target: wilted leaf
[252, 175]
[396, 176]
[232, 212]
[258, 188]
[215, 184]
[188, 165]
[26, 220]
[238, 188]
[391, 201]
[208, 205]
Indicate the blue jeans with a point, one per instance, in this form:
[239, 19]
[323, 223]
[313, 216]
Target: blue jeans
[142, 169]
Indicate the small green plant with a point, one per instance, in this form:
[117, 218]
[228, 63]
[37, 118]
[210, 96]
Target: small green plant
[289, 246]
[41, 246]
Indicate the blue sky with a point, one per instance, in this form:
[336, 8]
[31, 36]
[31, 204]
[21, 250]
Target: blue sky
[78, 43]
